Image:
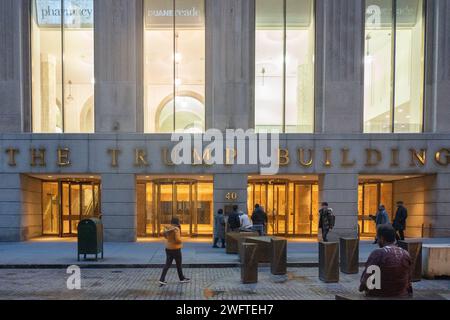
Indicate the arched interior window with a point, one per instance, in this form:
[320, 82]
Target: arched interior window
[190, 115]
[174, 63]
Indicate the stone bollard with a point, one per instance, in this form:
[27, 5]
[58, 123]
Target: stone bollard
[249, 263]
[349, 253]
[436, 260]
[329, 262]
[414, 247]
[278, 259]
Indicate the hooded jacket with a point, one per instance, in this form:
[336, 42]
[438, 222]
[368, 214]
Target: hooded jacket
[173, 238]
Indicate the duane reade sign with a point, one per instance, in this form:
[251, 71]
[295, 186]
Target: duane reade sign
[75, 13]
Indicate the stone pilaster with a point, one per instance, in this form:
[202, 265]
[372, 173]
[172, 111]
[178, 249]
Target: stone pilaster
[14, 66]
[229, 184]
[230, 42]
[118, 65]
[439, 197]
[339, 66]
[437, 76]
[119, 207]
[10, 207]
[341, 193]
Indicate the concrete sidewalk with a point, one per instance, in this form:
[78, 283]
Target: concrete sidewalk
[51, 254]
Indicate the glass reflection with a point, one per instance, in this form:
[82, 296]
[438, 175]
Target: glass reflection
[62, 69]
[174, 65]
[394, 66]
[284, 79]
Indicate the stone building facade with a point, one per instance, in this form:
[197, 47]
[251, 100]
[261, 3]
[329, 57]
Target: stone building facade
[118, 166]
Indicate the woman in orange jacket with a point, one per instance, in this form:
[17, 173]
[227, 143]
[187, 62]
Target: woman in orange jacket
[173, 251]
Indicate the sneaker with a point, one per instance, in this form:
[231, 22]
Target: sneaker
[215, 247]
[186, 280]
[162, 284]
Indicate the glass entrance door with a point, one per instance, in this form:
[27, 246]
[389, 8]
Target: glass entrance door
[174, 199]
[370, 196]
[79, 201]
[273, 197]
[292, 208]
[189, 200]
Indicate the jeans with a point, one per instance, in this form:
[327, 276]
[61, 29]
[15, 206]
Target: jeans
[216, 241]
[259, 228]
[173, 255]
[325, 232]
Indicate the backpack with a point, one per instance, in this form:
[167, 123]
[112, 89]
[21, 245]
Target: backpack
[331, 218]
[234, 221]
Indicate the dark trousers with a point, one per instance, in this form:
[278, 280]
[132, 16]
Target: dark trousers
[173, 255]
[400, 234]
[216, 241]
[325, 232]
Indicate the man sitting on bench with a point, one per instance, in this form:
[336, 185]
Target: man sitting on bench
[393, 262]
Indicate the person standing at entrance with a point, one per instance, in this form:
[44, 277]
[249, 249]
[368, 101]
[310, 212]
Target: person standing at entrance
[400, 221]
[173, 251]
[381, 218]
[246, 223]
[326, 220]
[234, 221]
[219, 228]
[259, 218]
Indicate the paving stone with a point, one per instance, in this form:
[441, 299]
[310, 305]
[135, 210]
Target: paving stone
[207, 284]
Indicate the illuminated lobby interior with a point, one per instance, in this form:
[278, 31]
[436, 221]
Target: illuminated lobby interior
[291, 203]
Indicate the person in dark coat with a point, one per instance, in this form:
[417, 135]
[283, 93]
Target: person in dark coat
[381, 218]
[400, 221]
[234, 220]
[259, 219]
[219, 229]
[326, 220]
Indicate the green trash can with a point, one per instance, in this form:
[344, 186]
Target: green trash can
[90, 238]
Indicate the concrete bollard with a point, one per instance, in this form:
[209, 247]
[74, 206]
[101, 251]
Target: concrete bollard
[414, 247]
[329, 262]
[349, 253]
[249, 263]
[278, 259]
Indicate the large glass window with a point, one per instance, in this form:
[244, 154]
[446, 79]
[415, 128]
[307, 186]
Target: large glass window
[174, 66]
[394, 66]
[63, 66]
[284, 85]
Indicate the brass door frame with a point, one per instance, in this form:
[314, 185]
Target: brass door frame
[156, 195]
[81, 198]
[311, 213]
[275, 220]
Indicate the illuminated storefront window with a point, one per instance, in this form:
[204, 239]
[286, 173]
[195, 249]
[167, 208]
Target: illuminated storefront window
[63, 66]
[284, 83]
[394, 66]
[174, 66]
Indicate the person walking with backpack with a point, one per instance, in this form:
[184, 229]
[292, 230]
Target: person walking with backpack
[173, 251]
[326, 220]
[234, 220]
[400, 221]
